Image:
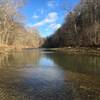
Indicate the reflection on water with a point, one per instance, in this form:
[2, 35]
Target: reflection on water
[39, 75]
[17, 59]
[78, 63]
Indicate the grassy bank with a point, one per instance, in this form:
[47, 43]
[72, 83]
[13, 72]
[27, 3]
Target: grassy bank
[78, 50]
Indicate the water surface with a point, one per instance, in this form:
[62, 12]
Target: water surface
[41, 75]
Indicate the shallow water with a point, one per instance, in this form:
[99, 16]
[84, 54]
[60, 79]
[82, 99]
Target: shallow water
[41, 75]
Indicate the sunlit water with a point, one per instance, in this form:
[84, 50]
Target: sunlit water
[42, 75]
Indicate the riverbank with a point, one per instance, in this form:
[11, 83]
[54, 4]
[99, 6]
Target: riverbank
[69, 50]
[4, 49]
[78, 50]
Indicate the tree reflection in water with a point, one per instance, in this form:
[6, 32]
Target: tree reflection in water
[39, 75]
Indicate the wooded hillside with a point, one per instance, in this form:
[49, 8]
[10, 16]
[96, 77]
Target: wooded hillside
[81, 27]
[12, 28]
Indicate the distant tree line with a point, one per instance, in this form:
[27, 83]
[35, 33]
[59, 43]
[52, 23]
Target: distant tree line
[81, 27]
[12, 28]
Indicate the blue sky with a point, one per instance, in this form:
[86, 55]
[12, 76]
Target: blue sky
[47, 15]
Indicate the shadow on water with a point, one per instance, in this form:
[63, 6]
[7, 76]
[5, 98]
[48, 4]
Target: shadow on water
[86, 64]
[45, 75]
[83, 72]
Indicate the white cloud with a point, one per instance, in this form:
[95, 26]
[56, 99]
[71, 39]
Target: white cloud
[52, 3]
[35, 16]
[29, 25]
[51, 18]
[54, 26]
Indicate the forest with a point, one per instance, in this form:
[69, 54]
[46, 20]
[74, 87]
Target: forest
[13, 31]
[49, 49]
[81, 27]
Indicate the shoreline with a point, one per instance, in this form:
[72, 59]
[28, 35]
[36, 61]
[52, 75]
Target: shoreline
[4, 49]
[77, 50]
